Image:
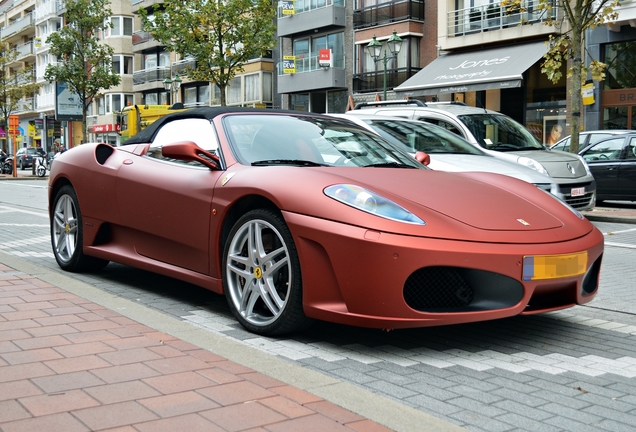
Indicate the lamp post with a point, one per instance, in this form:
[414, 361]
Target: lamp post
[375, 49]
[172, 86]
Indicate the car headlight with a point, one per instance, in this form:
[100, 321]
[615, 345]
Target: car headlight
[531, 163]
[370, 202]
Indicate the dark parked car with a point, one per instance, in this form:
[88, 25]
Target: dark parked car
[613, 165]
[588, 138]
[25, 156]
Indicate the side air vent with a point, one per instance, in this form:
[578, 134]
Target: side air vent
[102, 153]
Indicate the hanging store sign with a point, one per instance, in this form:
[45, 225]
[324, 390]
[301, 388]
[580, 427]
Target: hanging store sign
[289, 64]
[287, 7]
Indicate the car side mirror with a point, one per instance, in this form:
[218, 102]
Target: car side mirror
[423, 158]
[189, 151]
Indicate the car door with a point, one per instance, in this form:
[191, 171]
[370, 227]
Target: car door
[627, 171]
[166, 203]
[604, 159]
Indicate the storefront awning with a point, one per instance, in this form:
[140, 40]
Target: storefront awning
[488, 69]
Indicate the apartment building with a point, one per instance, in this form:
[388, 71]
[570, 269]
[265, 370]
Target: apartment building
[490, 56]
[155, 68]
[323, 60]
[614, 102]
[17, 27]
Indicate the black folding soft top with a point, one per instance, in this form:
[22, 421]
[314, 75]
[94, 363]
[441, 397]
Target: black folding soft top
[148, 134]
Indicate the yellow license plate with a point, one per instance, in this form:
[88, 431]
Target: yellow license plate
[540, 267]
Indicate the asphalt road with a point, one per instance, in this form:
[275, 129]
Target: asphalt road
[568, 370]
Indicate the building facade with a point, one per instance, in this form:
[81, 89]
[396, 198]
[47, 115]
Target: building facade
[614, 103]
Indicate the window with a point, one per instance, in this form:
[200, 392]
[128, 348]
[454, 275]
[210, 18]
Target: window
[121, 26]
[101, 109]
[234, 91]
[115, 102]
[123, 64]
[605, 150]
[252, 88]
[199, 131]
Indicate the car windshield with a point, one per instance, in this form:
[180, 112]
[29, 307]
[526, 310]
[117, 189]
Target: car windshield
[304, 141]
[418, 136]
[499, 132]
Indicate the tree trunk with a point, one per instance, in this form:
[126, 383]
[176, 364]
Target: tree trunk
[577, 45]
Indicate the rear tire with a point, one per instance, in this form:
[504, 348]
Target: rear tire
[67, 235]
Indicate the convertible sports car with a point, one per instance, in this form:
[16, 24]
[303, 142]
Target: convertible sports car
[297, 216]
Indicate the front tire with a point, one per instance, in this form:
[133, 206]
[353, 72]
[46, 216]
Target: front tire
[41, 171]
[262, 282]
[67, 234]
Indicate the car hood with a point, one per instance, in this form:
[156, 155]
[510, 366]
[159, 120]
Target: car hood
[468, 162]
[465, 206]
[560, 165]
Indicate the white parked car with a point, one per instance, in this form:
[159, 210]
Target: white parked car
[497, 133]
[448, 152]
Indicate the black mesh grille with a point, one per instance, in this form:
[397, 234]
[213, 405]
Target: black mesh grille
[437, 288]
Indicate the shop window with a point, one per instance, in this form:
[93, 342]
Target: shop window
[620, 59]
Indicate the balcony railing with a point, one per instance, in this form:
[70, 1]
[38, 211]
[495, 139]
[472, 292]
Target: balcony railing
[374, 81]
[310, 64]
[495, 17]
[180, 67]
[49, 8]
[24, 50]
[141, 37]
[375, 12]
[25, 105]
[17, 25]
[158, 73]
[301, 6]
[45, 100]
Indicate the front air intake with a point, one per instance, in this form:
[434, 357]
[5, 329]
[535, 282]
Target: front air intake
[457, 289]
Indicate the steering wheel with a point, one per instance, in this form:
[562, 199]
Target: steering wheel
[603, 156]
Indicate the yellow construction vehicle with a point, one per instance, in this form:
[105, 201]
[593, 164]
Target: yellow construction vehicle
[134, 118]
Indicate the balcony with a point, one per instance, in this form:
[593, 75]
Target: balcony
[491, 17]
[311, 15]
[375, 12]
[24, 50]
[25, 105]
[143, 40]
[374, 81]
[310, 76]
[45, 101]
[149, 75]
[18, 26]
[182, 66]
[48, 10]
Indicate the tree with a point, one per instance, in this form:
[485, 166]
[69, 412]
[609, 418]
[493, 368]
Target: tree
[13, 86]
[83, 62]
[220, 35]
[580, 16]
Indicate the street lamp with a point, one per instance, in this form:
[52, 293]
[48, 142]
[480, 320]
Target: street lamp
[375, 51]
[172, 86]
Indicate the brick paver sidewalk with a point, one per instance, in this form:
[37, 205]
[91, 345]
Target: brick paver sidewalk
[68, 364]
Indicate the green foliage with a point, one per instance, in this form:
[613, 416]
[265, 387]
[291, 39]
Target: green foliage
[83, 62]
[574, 18]
[220, 35]
[13, 86]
